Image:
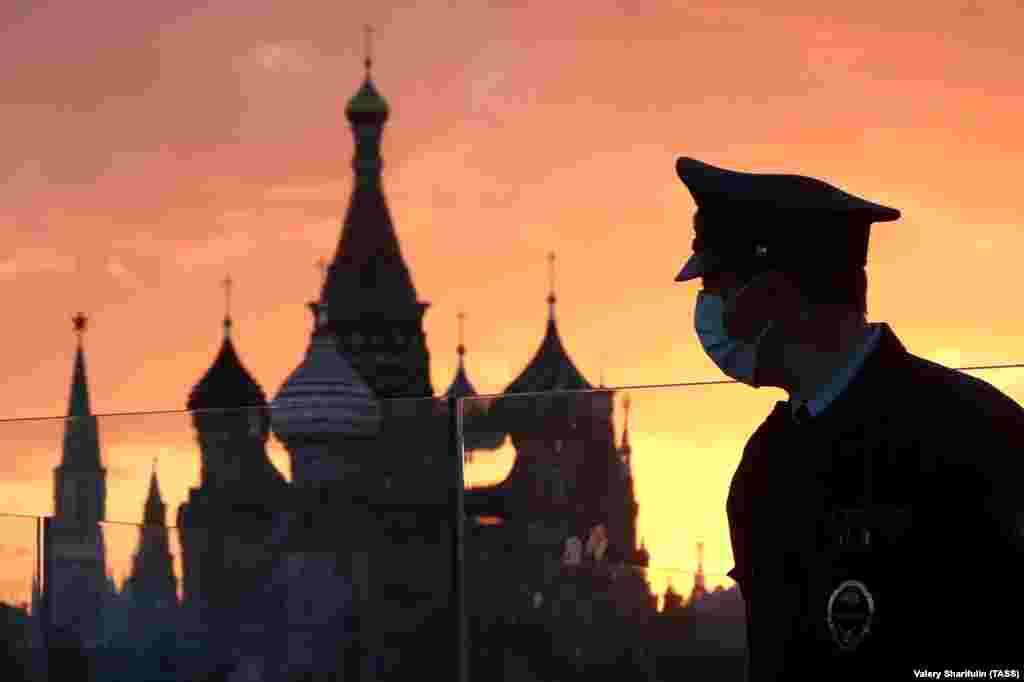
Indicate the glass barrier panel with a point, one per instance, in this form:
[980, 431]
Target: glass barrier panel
[252, 544]
[598, 542]
[306, 542]
[1008, 380]
[367, 555]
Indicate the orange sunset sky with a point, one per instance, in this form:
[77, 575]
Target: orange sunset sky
[151, 149]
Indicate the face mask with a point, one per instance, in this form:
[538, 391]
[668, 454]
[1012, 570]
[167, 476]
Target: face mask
[736, 358]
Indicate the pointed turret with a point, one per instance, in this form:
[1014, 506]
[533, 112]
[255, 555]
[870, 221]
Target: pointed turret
[551, 368]
[673, 601]
[152, 583]
[461, 387]
[78, 402]
[376, 314]
[639, 555]
[155, 511]
[699, 586]
[643, 557]
[75, 569]
[81, 434]
[476, 432]
[626, 448]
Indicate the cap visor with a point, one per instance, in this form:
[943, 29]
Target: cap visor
[699, 264]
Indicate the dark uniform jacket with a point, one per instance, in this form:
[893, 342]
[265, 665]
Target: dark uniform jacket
[899, 504]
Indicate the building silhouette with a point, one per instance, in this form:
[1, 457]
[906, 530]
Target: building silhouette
[224, 524]
[152, 584]
[75, 558]
[346, 569]
[376, 314]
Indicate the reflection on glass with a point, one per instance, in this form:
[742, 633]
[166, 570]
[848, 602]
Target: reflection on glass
[19, 595]
[271, 542]
[566, 553]
[231, 568]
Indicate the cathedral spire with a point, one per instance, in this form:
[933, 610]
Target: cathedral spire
[699, 586]
[551, 368]
[227, 283]
[155, 510]
[461, 349]
[368, 267]
[151, 583]
[81, 432]
[551, 290]
[78, 403]
[461, 387]
[375, 313]
[368, 56]
[626, 448]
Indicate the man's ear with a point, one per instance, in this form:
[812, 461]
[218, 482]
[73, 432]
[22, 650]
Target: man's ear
[770, 296]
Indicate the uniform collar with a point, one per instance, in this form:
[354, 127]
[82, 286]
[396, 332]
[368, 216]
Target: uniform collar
[842, 380]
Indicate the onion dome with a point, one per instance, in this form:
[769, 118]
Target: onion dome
[461, 386]
[551, 368]
[476, 433]
[367, 105]
[226, 384]
[81, 432]
[324, 396]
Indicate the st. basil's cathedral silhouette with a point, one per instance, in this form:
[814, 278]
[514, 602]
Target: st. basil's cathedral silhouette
[346, 570]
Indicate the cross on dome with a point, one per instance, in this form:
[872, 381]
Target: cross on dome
[80, 321]
[227, 283]
[367, 45]
[462, 318]
[551, 278]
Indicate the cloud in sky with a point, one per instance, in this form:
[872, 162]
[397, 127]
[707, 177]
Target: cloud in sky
[281, 58]
[125, 277]
[216, 249]
[37, 259]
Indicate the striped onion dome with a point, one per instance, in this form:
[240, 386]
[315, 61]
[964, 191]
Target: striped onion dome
[324, 396]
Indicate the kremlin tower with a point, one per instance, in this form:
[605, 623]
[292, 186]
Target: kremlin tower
[75, 552]
[152, 584]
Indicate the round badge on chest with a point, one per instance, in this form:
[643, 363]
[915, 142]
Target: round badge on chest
[850, 612]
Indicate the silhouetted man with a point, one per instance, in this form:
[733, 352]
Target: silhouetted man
[865, 507]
